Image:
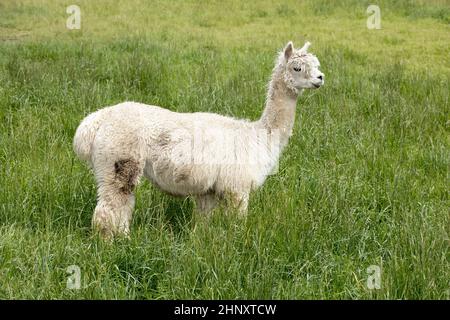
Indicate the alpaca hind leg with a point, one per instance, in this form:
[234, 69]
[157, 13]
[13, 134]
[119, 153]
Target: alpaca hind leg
[112, 215]
[206, 203]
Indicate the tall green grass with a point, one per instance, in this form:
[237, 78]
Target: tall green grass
[363, 182]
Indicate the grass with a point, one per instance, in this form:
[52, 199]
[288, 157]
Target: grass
[364, 180]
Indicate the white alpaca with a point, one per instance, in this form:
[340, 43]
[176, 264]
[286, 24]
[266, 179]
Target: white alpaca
[206, 155]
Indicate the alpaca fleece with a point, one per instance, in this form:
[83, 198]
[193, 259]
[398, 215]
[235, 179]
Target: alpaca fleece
[205, 155]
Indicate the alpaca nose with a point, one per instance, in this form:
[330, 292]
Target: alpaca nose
[320, 77]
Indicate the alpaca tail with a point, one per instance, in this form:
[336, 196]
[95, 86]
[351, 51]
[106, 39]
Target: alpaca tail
[85, 135]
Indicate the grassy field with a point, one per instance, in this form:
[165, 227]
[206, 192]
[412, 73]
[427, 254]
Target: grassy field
[364, 180]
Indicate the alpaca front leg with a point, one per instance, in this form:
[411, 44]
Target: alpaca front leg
[206, 203]
[239, 201]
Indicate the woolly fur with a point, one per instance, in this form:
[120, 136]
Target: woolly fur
[205, 155]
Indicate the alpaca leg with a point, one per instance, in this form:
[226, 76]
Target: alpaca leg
[112, 215]
[206, 202]
[239, 201]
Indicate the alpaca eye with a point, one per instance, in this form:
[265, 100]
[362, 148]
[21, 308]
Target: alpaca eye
[298, 69]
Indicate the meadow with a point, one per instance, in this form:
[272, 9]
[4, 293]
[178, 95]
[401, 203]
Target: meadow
[364, 181]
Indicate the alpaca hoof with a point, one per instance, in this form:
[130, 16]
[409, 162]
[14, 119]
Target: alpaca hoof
[109, 235]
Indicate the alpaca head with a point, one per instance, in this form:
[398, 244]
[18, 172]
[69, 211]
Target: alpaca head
[300, 68]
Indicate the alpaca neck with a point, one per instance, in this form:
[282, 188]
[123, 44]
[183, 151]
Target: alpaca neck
[279, 113]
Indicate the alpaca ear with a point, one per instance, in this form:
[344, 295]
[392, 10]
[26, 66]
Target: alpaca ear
[305, 47]
[288, 50]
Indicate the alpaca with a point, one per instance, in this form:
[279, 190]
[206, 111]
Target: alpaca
[205, 155]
